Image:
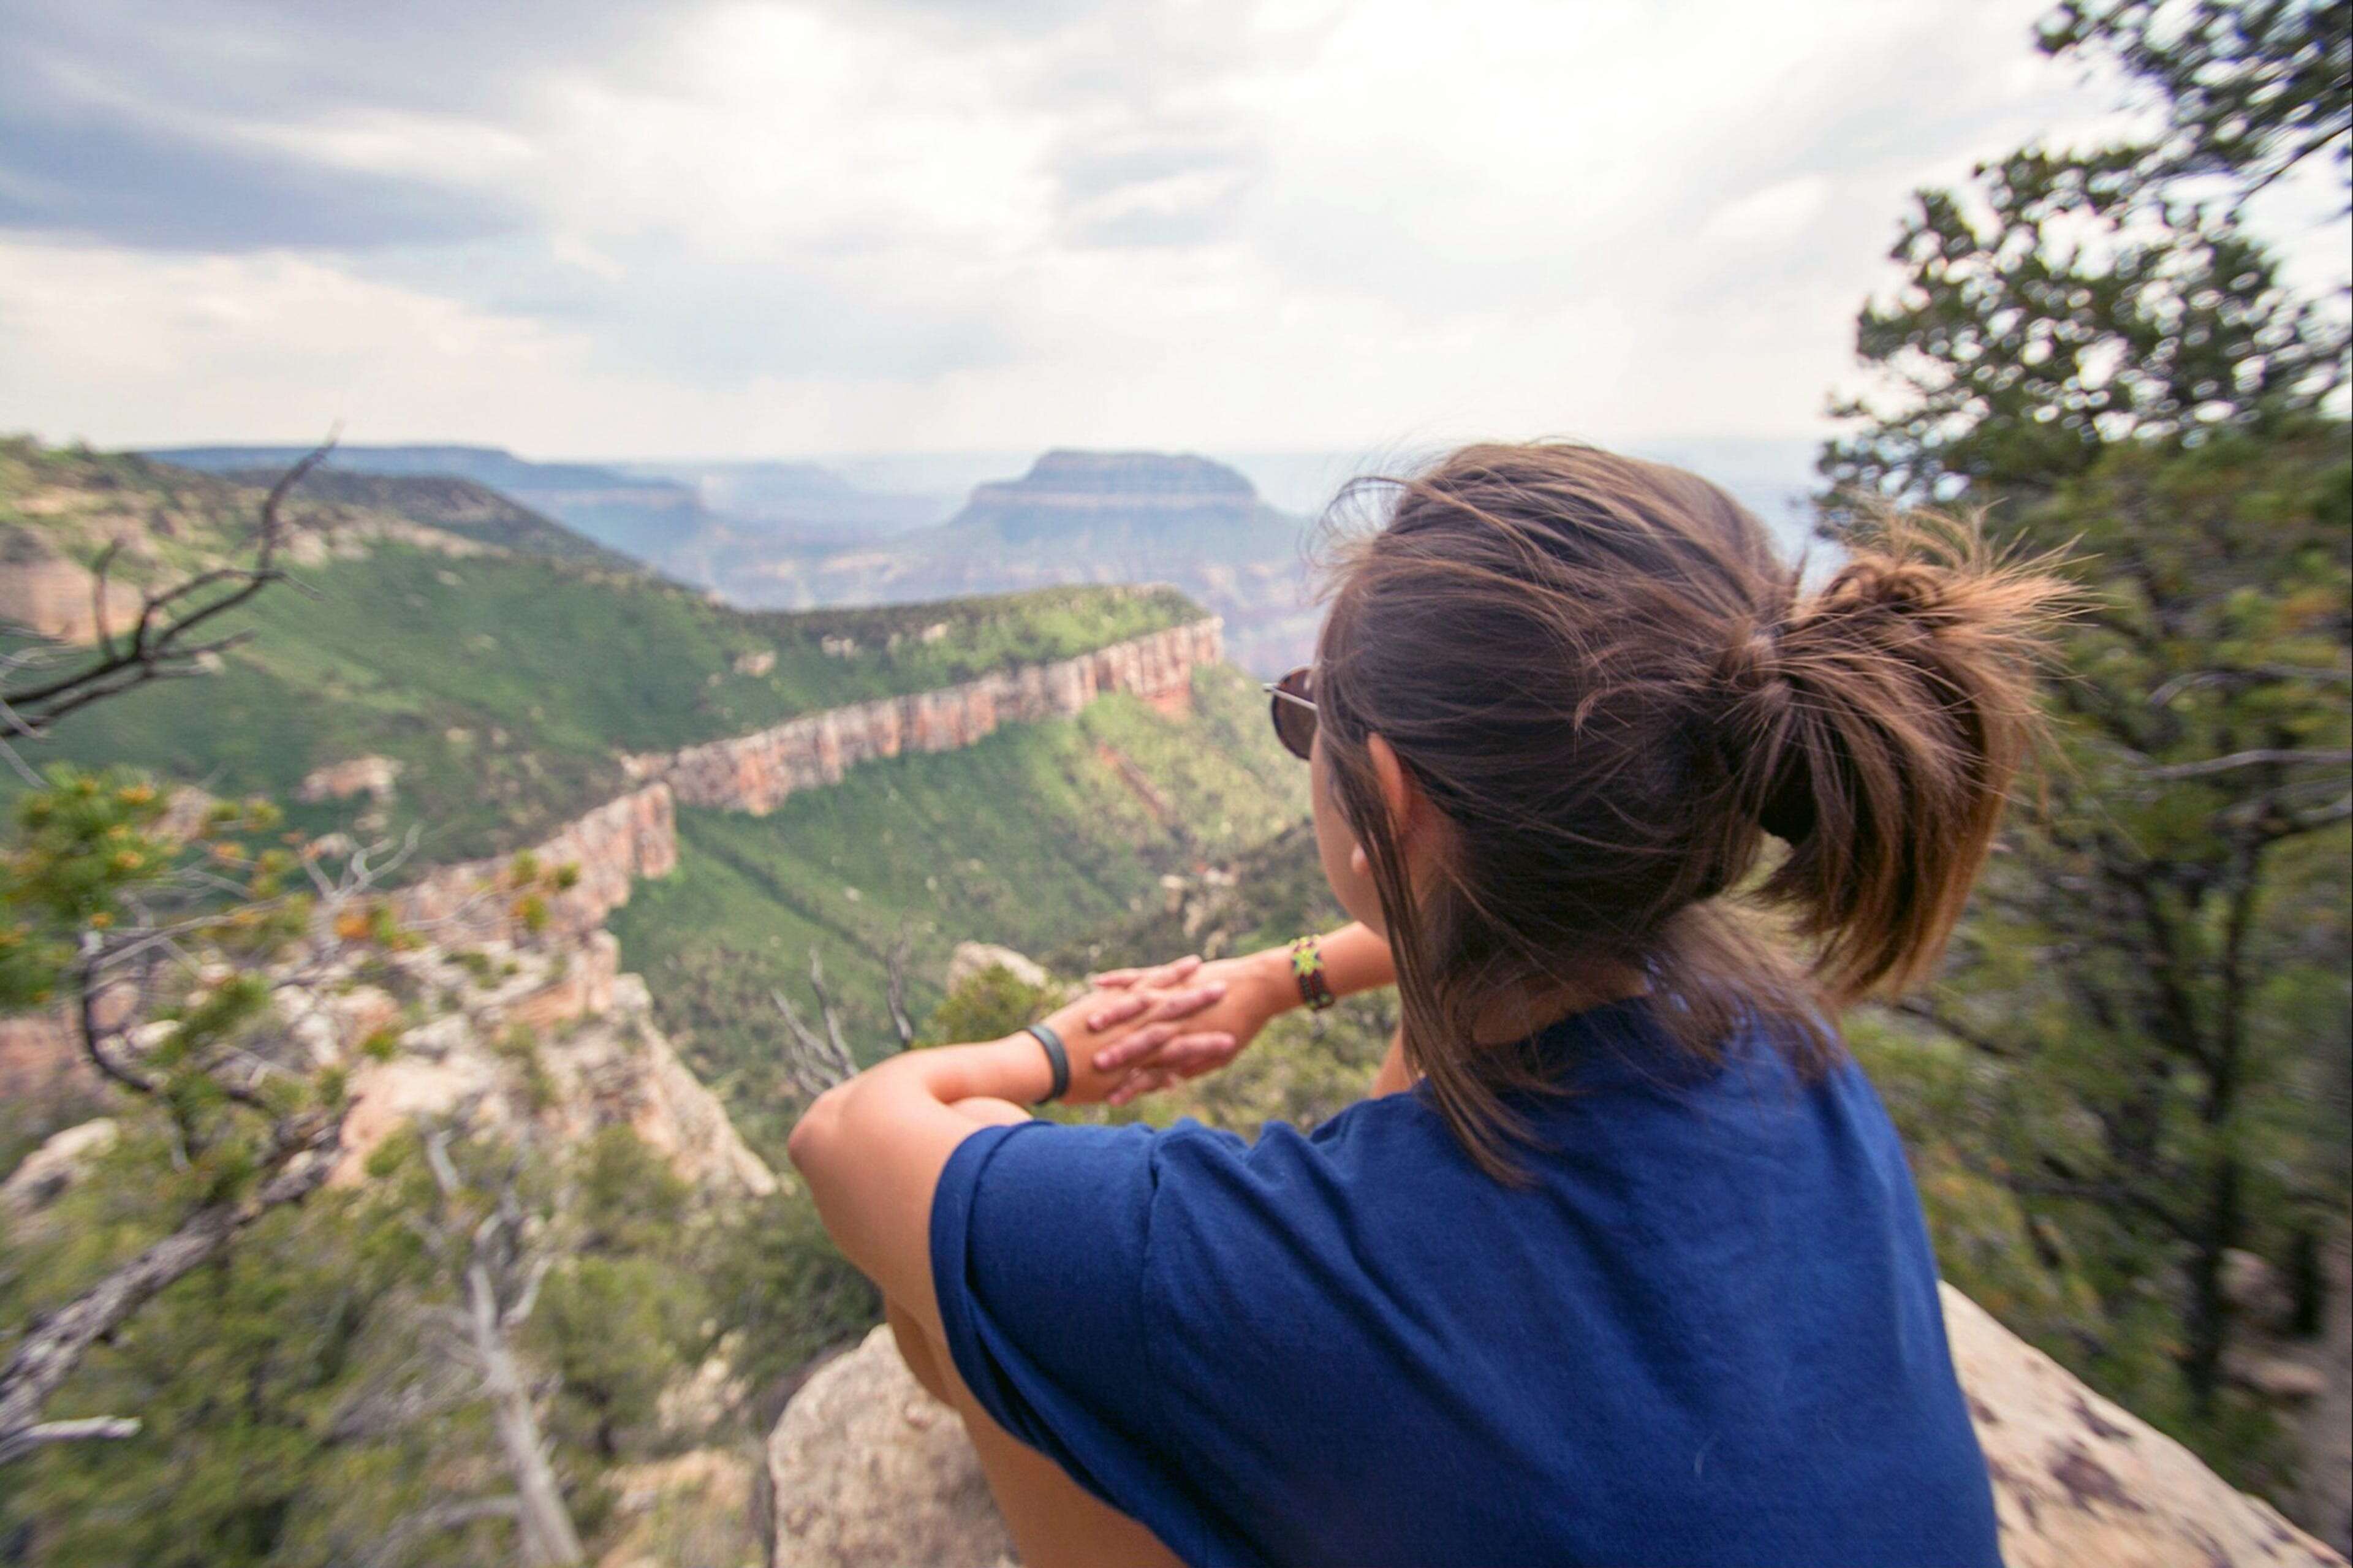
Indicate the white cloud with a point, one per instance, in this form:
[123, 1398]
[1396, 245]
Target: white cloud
[782, 227]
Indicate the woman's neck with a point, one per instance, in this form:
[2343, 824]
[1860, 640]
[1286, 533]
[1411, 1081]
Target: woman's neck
[1520, 1011]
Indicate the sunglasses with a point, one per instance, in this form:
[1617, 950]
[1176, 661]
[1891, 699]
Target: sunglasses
[1293, 710]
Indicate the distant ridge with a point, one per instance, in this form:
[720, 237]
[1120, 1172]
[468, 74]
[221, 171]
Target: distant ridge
[492, 465]
[467, 507]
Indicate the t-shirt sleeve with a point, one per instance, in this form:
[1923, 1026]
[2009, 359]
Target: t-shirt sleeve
[1039, 1236]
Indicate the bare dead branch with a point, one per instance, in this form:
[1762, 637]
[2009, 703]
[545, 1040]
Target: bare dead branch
[298, 1163]
[895, 989]
[433, 1520]
[1943, 1023]
[2255, 758]
[77, 1431]
[158, 646]
[2190, 680]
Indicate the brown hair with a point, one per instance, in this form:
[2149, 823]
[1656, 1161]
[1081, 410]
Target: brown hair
[1612, 689]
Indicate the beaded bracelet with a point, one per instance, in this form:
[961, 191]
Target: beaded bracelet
[1307, 968]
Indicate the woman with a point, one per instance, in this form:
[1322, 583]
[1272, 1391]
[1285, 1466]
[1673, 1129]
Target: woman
[1622, 1263]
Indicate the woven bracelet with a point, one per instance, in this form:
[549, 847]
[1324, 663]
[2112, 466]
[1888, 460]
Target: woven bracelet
[1307, 968]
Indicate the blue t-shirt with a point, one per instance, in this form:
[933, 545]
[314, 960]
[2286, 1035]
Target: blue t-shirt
[1706, 1332]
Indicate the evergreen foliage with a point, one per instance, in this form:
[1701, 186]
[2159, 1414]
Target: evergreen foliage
[2138, 1051]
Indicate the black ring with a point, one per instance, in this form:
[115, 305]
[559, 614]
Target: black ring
[1055, 1057]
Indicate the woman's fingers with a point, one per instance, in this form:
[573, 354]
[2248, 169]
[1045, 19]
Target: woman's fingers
[1185, 1001]
[1190, 1055]
[1168, 1009]
[1149, 1081]
[1143, 1001]
[1118, 1010]
[1112, 979]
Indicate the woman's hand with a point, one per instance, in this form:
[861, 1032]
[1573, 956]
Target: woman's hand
[1140, 1021]
[1176, 1036]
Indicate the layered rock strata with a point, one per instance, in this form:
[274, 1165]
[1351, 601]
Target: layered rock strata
[757, 772]
[582, 874]
[868, 1470]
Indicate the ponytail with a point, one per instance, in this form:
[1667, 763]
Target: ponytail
[1887, 726]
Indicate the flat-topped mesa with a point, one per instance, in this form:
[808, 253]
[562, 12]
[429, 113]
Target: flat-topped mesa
[757, 772]
[1124, 480]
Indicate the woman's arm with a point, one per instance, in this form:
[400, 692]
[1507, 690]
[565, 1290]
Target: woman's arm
[871, 1149]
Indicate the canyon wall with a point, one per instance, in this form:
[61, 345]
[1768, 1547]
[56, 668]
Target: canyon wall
[755, 773]
[604, 850]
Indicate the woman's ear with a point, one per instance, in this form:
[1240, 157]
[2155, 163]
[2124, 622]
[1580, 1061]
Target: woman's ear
[1398, 791]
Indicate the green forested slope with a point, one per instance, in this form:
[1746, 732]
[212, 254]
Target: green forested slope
[1037, 836]
[506, 683]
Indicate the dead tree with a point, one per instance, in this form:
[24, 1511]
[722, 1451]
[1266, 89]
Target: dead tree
[814, 1062]
[500, 1267]
[117, 970]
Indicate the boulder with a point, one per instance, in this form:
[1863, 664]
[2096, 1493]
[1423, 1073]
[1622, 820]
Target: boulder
[2080, 1481]
[972, 958]
[43, 1176]
[869, 1469]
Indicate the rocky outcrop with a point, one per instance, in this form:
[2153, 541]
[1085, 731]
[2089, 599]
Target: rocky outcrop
[2079, 1480]
[1087, 483]
[1082, 517]
[972, 959]
[371, 776]
[757, 772]
[44, 1176]
[551, 1037]
[44, 592]
[582, 874]
[868, 1470]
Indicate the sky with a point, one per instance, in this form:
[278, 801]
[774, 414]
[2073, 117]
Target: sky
[582, 228]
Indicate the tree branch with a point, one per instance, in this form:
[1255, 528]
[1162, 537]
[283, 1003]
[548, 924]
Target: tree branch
[55, 1345]
[2258, 757]
[156, 646]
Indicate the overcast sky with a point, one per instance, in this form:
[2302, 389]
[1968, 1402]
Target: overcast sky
[580, 227]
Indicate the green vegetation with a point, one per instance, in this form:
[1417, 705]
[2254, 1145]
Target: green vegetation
[299, 1397]
[2137, 1064]
[506, 686]
[1036, 835]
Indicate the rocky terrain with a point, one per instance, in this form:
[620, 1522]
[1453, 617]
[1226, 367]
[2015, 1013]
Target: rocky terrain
[868, 1470]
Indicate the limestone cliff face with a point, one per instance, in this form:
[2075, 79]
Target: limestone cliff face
[869, 1471]
[755, 773]
[554, 1039]
[606, 849]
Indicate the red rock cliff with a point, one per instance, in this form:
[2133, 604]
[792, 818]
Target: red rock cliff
[755, 772]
